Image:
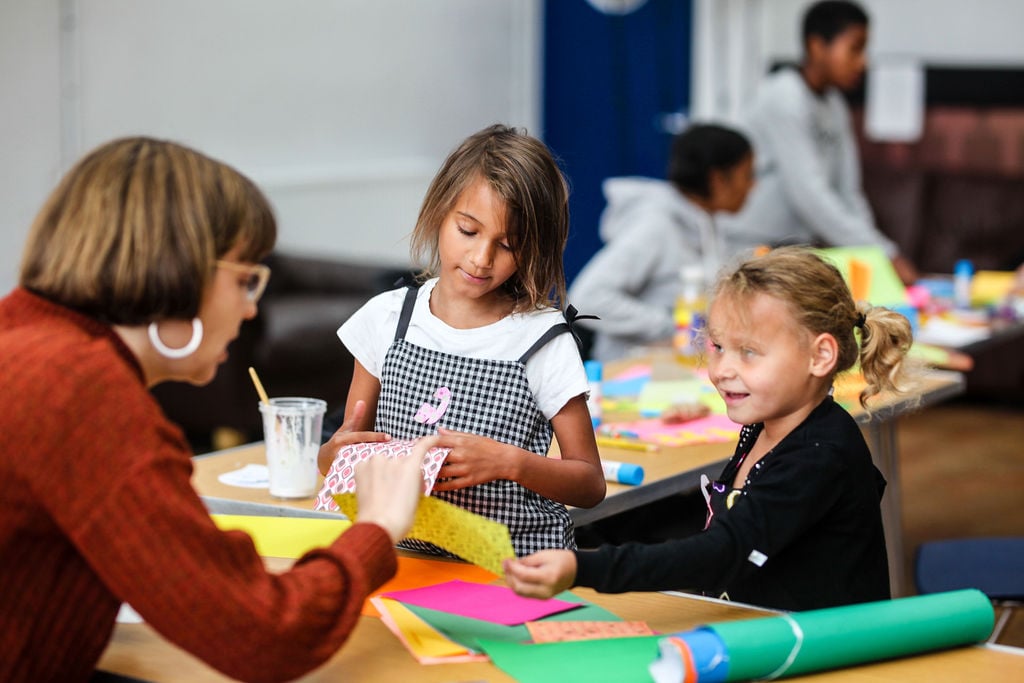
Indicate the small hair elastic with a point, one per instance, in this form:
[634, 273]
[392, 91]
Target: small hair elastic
[861, 319]
[175, 354]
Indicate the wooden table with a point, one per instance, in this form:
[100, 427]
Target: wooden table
[668, 471]
[373, 653]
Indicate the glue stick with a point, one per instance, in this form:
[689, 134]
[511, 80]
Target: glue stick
[622, 472]
[963, 272]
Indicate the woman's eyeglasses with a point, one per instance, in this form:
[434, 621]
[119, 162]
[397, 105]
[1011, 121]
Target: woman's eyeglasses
[258, 273]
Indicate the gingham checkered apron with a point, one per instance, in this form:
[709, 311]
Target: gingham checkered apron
[489, 398]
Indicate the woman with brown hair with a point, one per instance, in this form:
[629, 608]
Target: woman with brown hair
[140, 268]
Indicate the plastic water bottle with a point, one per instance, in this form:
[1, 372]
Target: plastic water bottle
[594, 374]
[690, 314]
[963, 272]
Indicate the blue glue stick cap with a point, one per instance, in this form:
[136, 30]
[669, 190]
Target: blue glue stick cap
[630, 474]
[622, 472]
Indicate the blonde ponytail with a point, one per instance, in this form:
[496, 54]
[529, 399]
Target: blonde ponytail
[885, 339]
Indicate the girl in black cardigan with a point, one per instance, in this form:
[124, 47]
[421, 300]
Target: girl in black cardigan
[794, 520]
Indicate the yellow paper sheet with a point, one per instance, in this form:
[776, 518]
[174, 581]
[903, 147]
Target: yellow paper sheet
[989, 287]
[475, 539]
[421, 640]
[290, 537]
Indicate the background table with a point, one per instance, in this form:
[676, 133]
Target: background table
[667, 471]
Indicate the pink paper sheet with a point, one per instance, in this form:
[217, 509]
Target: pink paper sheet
[640, 370]
[496, 604]
[711, 429]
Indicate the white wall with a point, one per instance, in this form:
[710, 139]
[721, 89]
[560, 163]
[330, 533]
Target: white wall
[29, 121]
[738, 39]
[946, 32]
[342, 111]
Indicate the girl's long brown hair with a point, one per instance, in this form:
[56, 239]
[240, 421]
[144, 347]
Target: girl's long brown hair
[522, 172]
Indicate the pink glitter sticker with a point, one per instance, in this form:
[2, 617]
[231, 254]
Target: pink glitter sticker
[429, 414]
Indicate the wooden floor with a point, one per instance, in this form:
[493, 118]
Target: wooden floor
[962, 469]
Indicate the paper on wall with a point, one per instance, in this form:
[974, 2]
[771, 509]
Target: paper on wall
[894, 109]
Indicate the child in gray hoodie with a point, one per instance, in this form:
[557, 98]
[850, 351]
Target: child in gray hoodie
[652, 229]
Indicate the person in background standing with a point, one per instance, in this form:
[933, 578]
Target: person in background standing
[808, 168]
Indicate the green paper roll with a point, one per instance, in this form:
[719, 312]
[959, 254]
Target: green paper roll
[854, 634]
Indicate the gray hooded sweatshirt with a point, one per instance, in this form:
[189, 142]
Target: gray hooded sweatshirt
[651, 230]
[808, 188]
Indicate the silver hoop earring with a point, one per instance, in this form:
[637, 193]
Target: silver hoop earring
[184, 351]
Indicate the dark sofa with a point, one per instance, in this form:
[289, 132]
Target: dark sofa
[292, 343]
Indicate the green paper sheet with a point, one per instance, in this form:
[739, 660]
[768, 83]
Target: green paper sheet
[469, 632]
[659, 395]
[607, 660]
[935, 356]
[885, 289]
[854, 634]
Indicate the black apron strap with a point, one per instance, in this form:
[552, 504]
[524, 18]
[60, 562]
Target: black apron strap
[406, 315]
[571, 316]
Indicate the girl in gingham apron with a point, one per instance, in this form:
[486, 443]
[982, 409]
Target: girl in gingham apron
[487, 397]
[478, 354]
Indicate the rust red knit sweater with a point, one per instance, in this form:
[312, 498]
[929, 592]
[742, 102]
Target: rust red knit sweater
[96, 508]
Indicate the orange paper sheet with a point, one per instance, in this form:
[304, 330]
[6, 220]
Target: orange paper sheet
[415, 572]
[860, 280]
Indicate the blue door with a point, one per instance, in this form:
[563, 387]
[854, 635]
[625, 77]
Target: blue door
[614, 86]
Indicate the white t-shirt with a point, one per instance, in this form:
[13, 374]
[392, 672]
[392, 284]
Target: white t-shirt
[555, 372]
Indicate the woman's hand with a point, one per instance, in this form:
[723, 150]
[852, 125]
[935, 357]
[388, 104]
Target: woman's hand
[542, 574]
[472, 460]
[345, 436]
[389, 489]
